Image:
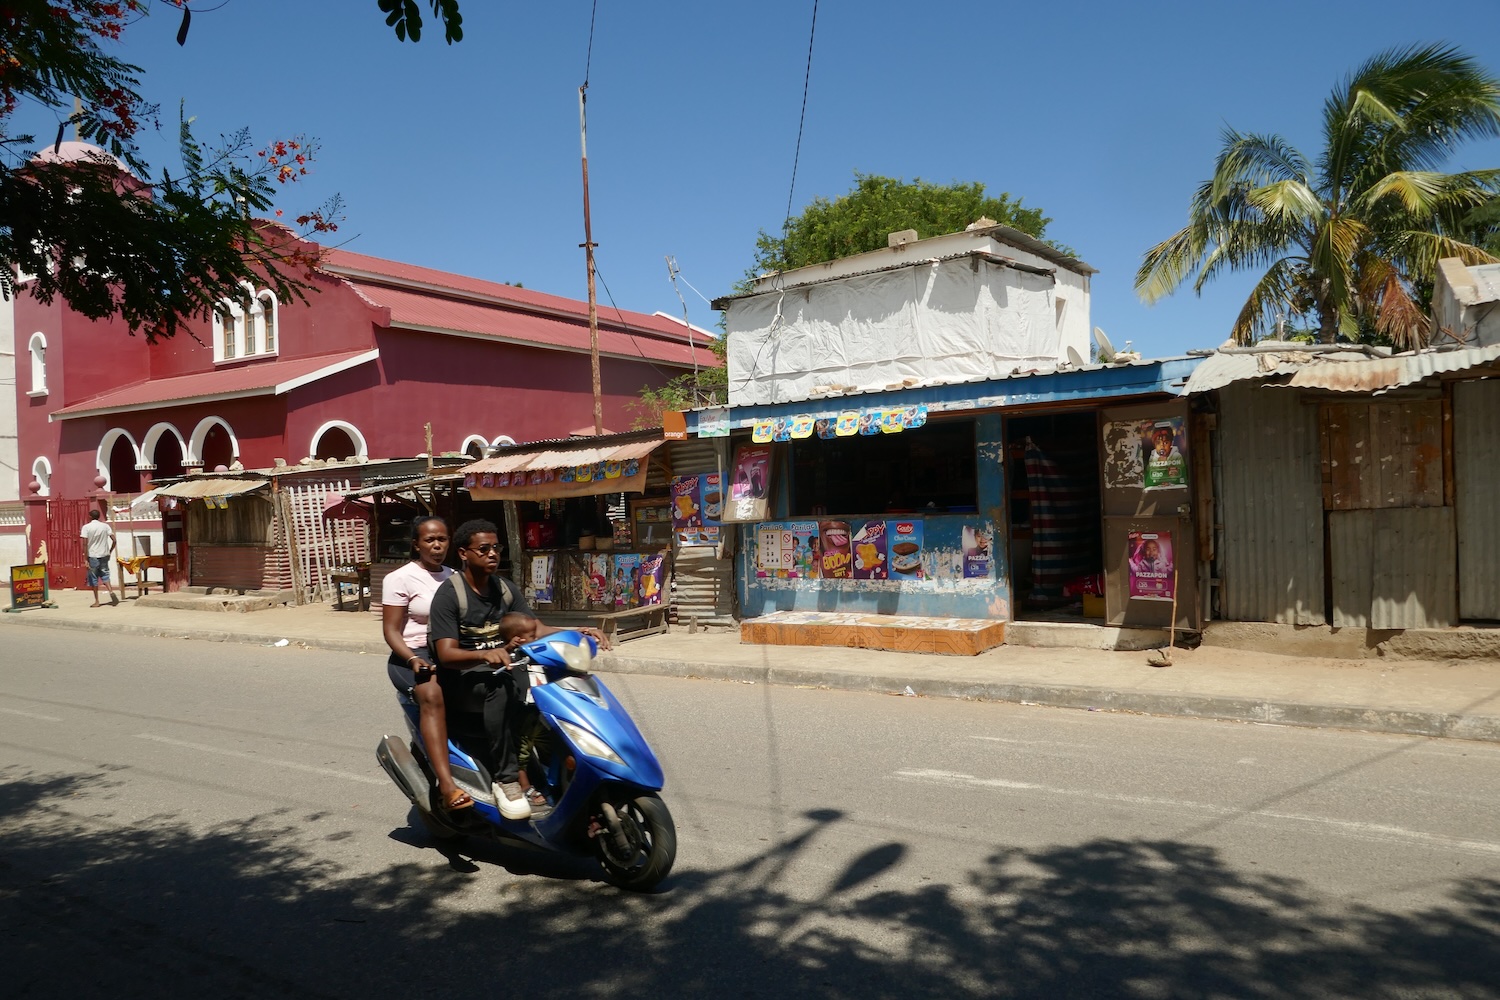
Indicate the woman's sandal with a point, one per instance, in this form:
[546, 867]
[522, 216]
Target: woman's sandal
[460, 799]
[537, 799]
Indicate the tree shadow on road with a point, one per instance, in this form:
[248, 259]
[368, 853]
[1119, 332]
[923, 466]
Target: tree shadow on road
[253, 908]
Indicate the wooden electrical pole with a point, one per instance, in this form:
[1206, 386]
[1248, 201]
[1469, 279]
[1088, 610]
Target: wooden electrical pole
[588, 250]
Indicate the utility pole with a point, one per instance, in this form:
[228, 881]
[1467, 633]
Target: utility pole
[588, 249]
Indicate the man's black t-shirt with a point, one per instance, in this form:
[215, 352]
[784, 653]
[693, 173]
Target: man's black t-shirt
[480, 627]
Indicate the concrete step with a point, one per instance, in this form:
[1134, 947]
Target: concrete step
[1083, 635]
[186, 600]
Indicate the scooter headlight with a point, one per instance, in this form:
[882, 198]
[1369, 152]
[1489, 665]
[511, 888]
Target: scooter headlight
[577, 658]
[588, 743]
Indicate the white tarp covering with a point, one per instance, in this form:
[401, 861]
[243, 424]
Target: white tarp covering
[944, 321]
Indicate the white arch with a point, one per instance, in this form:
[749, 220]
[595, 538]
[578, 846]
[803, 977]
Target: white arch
[194, 452]
[503, 441]
[148, 443]
[268, 318]
[361, 450]
[38, 348]
[41, 471]
[479, 439]
[107, 447]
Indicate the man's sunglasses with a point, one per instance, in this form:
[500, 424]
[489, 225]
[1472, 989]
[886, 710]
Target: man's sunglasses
[484, 550]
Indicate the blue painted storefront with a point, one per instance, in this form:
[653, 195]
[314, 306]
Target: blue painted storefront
[943, 590]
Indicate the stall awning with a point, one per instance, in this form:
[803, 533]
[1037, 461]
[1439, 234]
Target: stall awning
[587, 469]
[193, 489]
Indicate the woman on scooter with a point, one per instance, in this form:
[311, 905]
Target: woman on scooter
[405, 604]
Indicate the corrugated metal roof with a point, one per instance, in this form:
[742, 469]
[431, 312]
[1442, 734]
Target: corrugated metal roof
[196, 488]
[1379, 374]
[253, 378]
[1223, 368]
[561, 458]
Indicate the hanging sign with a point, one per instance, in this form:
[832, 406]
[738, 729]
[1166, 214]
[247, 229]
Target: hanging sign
[713, 422]
[761, 431]
[749, 484]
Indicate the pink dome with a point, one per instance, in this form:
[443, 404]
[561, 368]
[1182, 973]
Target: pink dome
[73, 151]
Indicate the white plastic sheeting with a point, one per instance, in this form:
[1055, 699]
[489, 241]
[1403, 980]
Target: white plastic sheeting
[933, 322]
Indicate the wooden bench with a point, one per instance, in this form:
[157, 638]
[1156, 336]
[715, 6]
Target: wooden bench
[356, 576]
[655, 616]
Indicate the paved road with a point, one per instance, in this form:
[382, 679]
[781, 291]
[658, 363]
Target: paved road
[179, 814]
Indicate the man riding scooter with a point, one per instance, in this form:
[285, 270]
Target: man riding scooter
[484, 706]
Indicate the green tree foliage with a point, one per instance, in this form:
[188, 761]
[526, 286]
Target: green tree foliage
[405, 16]
[107, 234]
[708, 386]
[1349, 242]
[878, 206]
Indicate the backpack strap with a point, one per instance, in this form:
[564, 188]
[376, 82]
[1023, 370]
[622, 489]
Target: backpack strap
[461, 589]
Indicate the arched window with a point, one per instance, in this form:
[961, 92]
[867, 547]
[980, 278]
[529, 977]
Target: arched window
[41, 471]
[227, 321]
[213, 443]
[119, 461]
[268, 306]
[339, 439]
[475, 446]
[38, 348]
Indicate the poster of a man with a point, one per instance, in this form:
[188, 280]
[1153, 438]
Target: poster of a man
[1151, 566]
[1164, 442]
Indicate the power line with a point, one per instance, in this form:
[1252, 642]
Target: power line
[806, 81]
[588, 61]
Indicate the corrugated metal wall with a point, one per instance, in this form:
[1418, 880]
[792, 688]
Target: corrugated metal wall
[1476, 472]
[1271, 507]
[1393, 568]
[704, 581]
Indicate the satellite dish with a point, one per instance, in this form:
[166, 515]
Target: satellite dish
[1106, 349]
[1074, 358]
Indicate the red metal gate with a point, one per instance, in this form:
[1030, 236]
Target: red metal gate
[66, 565]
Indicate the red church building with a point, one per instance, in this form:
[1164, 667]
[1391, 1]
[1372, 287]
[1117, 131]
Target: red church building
[379, 350]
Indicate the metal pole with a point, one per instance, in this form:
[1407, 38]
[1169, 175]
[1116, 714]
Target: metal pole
[588, 248]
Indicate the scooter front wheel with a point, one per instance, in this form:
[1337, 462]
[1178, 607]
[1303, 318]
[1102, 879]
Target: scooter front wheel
[641, 853]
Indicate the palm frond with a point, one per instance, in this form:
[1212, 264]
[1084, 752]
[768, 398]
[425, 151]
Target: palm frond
[1275, 292]
[1289, 201]
[1251, 161]
[1168, 264]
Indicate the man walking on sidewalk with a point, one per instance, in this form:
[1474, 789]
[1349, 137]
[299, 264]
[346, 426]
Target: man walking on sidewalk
[100, 539]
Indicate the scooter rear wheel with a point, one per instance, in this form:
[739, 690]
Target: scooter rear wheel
[647, 826]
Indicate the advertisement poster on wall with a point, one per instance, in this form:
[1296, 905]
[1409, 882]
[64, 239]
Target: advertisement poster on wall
[837, 556]
[749, 484]
[1151, 564]
[869, 551]
[904, 546]
[541, 579]
[627, 586]
[1146, 454]
[1166, 468]
[768, 550]
[697, 504]
[976, 546]
[653, 579]
[804, 551]
[598, 580]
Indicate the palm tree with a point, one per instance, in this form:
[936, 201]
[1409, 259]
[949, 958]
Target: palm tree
[1352, 239]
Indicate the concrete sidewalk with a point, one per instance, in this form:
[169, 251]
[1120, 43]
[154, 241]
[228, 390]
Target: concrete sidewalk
[1457, 698]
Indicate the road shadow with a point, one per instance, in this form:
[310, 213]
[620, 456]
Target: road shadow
[92, 906]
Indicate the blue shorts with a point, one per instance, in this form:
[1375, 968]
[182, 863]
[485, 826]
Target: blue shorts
[98, 570]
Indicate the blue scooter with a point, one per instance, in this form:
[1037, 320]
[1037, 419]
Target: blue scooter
[588, 759]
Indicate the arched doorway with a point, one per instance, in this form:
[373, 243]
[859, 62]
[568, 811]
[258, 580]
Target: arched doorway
[120, 466]
[163, 448]
[217, 448]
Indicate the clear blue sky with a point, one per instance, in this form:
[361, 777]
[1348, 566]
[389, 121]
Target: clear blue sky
[465, 158]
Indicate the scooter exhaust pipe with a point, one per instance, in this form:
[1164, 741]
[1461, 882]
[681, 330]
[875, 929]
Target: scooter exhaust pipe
[404, 770]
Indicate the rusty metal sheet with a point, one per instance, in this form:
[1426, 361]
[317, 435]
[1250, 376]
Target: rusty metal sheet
[1379, 374]
[1476, 460]
[1271, 508]
[196, 488]
[1393, 568]
[1382, 453]
[559, 458]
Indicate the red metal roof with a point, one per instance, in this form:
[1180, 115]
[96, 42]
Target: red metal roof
[263, 378]
[428, 298]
